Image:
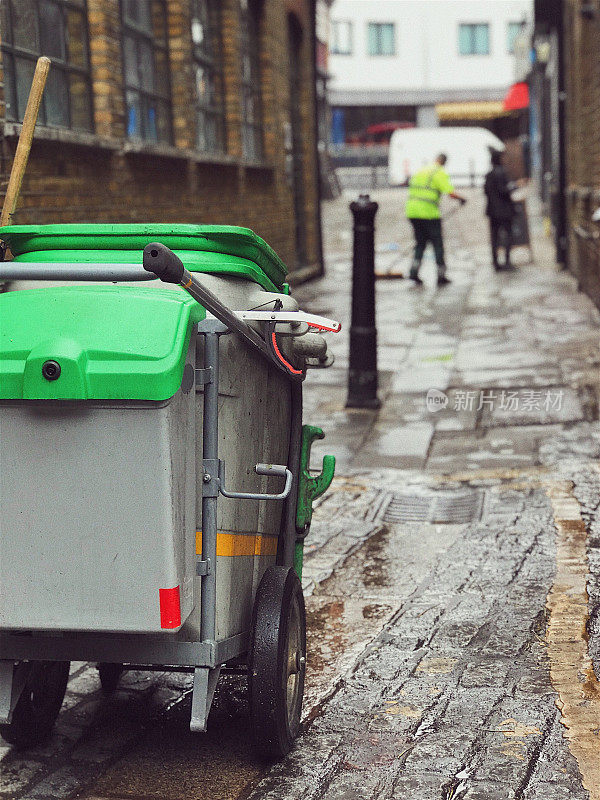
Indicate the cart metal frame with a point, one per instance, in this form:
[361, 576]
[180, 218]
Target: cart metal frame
[208, 655]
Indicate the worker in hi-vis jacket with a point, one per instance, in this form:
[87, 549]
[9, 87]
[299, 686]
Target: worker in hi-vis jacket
[423, 210]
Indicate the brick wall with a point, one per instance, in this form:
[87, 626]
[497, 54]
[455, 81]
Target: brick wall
[106, 178]
[582, 85]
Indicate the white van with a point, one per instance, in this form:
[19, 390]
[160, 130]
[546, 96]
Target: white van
[468, 151]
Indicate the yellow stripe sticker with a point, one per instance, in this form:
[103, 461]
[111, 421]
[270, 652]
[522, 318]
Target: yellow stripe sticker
[241, 544]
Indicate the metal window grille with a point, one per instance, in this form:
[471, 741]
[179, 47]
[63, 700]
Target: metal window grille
[474, 39]
[210, 112]
[57, 29]
[381, 39]
[146, 70]
[252, 135]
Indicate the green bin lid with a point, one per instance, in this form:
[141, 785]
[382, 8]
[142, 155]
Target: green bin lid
[203, 248]
[111, 342]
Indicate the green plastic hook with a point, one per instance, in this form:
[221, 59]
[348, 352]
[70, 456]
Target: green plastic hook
[310, 487]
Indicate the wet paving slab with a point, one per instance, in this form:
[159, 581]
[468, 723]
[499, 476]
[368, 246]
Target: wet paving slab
[386, 441]
[534, 406]
[494, 448]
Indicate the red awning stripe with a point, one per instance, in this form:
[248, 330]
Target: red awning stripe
[517, 97]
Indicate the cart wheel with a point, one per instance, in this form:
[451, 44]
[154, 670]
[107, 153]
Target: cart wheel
[277, 662]
[109, 676]
[38, 706]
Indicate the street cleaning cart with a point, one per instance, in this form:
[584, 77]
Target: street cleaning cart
[154, 469]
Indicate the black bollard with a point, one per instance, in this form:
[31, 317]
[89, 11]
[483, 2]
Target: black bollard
[362, 375]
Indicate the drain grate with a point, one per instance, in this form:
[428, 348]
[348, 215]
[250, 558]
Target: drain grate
[446, 506]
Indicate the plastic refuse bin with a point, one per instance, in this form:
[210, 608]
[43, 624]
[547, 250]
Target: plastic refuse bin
[154, 475]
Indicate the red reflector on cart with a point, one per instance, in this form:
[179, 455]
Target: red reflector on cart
[170, 608]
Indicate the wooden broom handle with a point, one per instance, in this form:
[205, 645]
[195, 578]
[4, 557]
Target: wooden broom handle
[24, 144]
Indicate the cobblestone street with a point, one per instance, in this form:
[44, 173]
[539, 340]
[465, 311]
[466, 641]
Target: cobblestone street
[452, 573]
[456, 695]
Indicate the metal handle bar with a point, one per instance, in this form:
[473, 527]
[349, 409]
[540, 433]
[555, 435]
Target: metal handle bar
[260, 469]
[164, 264]
[161, 261]
[40, 271]
[312, 320]
[158, 261]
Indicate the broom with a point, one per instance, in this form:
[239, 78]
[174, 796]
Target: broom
[25, 138]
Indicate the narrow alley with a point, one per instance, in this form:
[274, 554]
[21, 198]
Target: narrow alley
[452, 609]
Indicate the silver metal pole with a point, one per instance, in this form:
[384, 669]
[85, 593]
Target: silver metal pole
[289, 514]
[210, 485]
[212, 304]
[59, 271]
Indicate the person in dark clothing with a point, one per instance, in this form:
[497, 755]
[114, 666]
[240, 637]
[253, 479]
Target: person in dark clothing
[500, 209]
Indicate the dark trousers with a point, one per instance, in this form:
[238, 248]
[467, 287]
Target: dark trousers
[496, 227]
[428, 230]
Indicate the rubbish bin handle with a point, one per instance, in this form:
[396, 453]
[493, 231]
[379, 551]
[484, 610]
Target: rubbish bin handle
[169, 268]
[260, 469]
[312, 320]
[163, 262]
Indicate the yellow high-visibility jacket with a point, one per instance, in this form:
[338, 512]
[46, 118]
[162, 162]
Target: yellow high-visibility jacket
[424, 192]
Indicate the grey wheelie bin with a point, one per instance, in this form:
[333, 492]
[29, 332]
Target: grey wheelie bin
[154, 473]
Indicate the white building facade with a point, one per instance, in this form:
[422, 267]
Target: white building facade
[405, 57]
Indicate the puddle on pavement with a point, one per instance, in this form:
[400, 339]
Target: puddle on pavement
[377, 563]
[345, 613]
[372, 570]
[171, 763]
[338, 631]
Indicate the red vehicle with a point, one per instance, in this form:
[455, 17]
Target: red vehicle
[379, 133]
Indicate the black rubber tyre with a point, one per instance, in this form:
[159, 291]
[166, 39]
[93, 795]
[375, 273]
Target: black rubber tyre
[109, 675]
[277, 662]
[37, 708]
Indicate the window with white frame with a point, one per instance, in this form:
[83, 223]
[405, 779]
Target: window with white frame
[341, 38]
[474, 39]
[513, 31]
[381, 39]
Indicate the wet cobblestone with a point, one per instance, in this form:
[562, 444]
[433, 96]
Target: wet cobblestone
[455, 690]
